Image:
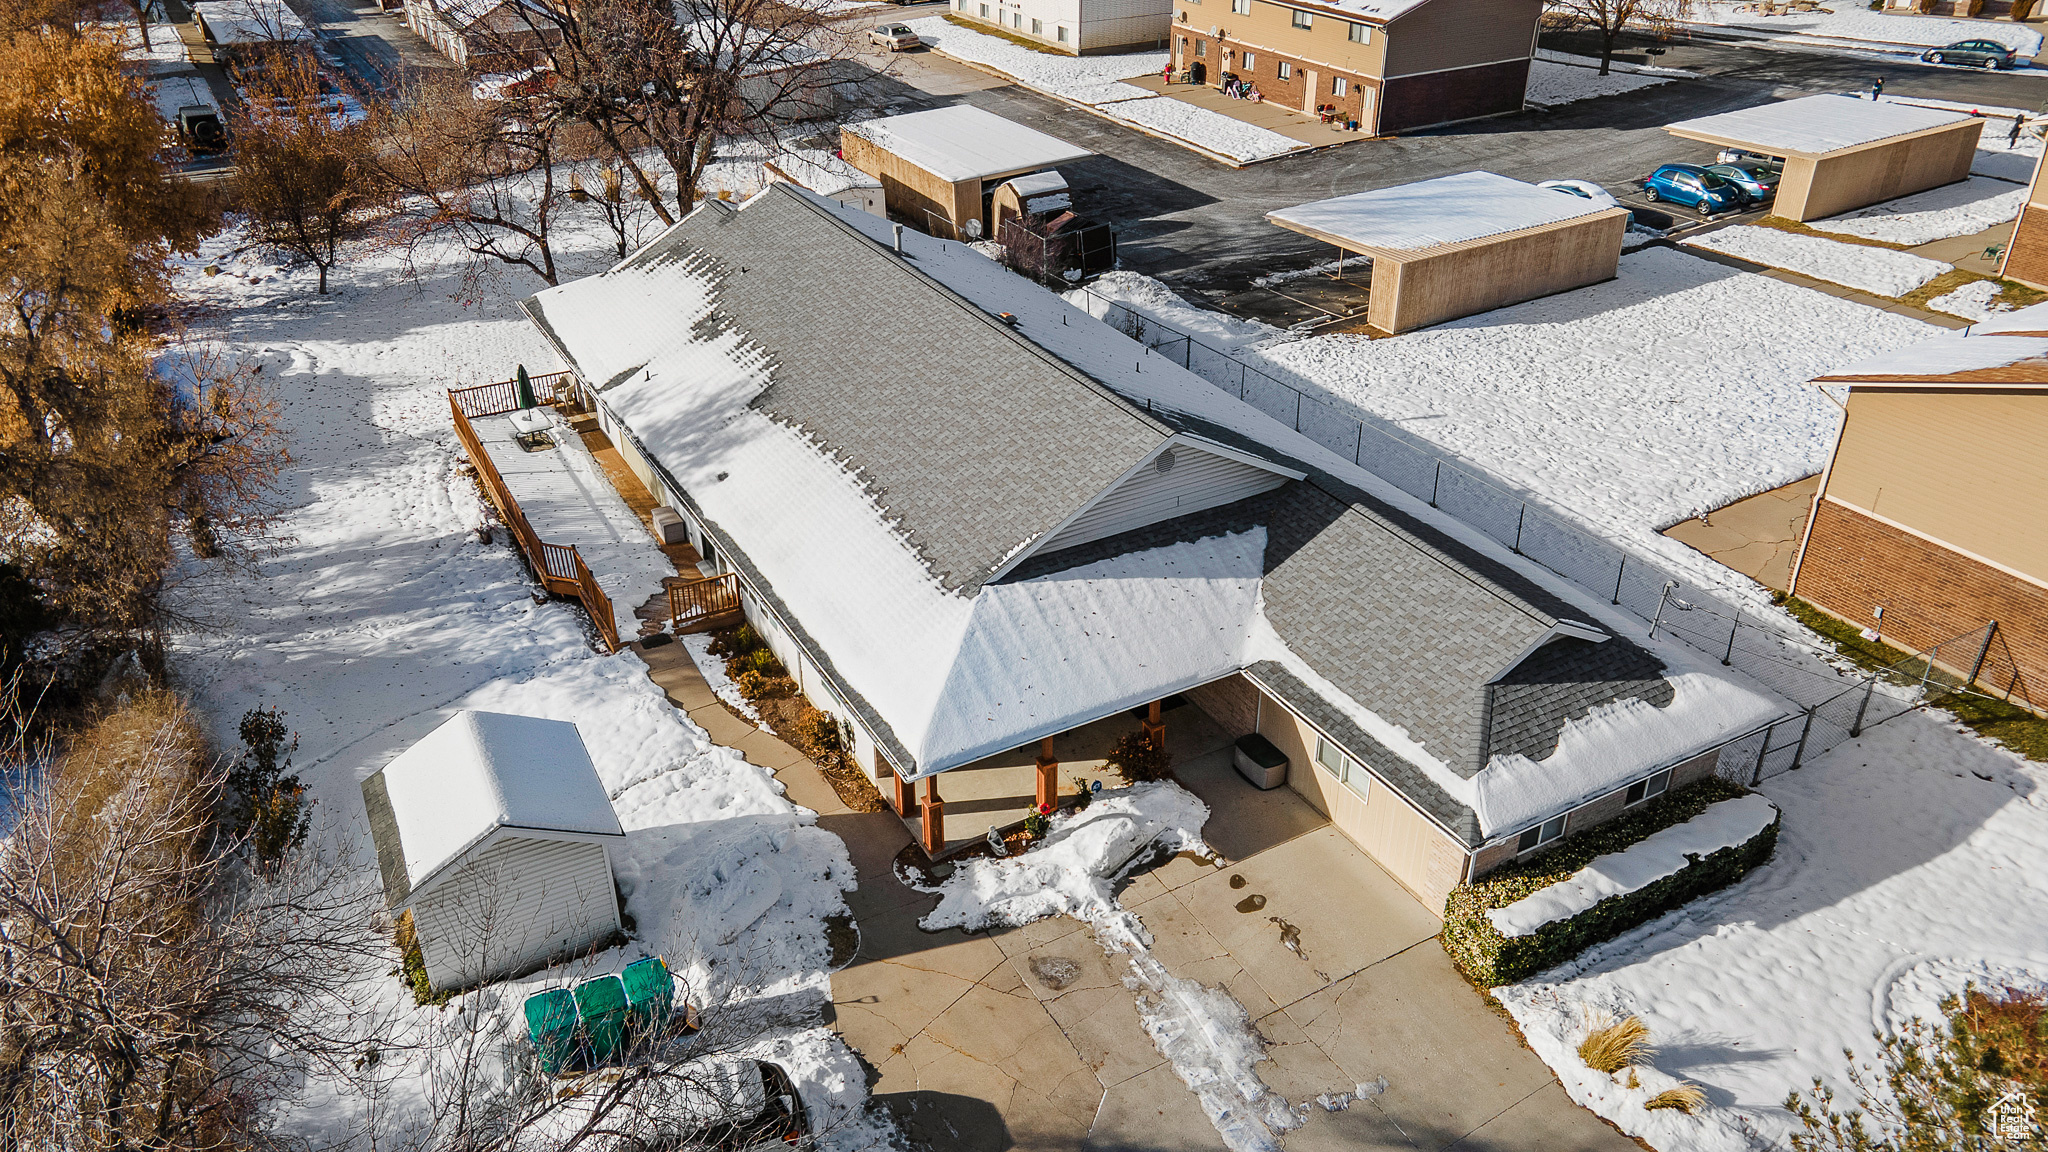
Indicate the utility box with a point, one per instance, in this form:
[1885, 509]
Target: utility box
[1261, 764]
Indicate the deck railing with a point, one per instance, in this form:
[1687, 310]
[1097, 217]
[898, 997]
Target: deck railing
[698, 602]
[560, 567]
[503, 396]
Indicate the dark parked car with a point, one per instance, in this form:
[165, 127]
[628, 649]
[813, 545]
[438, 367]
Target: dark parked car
[1744, 156]
[1756, 182]
[1982, 53]
[1694, 187]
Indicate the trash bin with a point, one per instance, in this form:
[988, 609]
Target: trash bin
[602, 1004]
[551, 1021]
[1261, 764]
[650, 996]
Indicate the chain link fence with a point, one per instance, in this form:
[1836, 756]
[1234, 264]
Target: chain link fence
[1767, 648]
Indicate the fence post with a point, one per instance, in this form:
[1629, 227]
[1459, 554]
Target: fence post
[1756, 774]
[1521, 514]
[1799, 753]
[1728, 657]
[1856, 729]
[1618, 570]
[1661, 597]
[1297, 410]
[1983, 650]
[1929, 669]
[1358, 447]
[1435, 479]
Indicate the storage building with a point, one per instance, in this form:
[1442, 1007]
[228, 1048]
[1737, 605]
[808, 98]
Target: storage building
[940, 167]
[1456, 245]
[1841, 152]
[494, 832]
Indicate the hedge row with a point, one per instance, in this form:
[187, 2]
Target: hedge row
[1487, 958]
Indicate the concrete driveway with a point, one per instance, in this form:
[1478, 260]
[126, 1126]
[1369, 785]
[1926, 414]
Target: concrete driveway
[1027, 1038]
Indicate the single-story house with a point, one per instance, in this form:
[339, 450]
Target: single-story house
[1462, 244]
[940, 167]
[994, 519]
[495, 833]
[1841, 152]
[1926, 526]
[489, 35]
[1389, 65]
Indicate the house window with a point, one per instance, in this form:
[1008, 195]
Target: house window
[984, 11]
[1201, 47]
[1241, 7]
[1037, 28]
[1017, 20]
[1361, 34]
[1340, 86]
[1643, 790]
[1347, 771]
[1302, 19]
[1543, 833]
[1251, 61]
[1286, 70]
[1062, 37]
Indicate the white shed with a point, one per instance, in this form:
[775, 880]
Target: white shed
[493, 831]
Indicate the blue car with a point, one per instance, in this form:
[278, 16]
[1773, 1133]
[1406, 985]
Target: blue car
[1756, 182]
[1694, 187]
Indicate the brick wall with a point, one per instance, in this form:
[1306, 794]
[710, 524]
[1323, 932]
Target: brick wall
[1854, 563]
[1232, 702]
[2026, 259]
[1265, 73]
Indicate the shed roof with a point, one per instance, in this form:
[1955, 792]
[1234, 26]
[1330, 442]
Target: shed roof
[820, 171]
[1954, 360]
[1432, 213]
[475, 774]
[1814, 125]
[962, 142]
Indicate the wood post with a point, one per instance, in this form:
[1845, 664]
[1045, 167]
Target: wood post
[1155, 728]
[934, 817]
[1048, 775]
[902, 796]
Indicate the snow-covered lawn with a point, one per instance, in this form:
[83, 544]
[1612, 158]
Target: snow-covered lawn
[1973, 301]
[1906, 866]
[1552, 82]
[1882, 271]
[1936, 214]
[383, 612]
[1148, 296]
[1868, 29]
[1096, 82]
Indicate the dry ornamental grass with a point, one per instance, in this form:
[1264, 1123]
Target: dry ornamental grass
[1617, 1046]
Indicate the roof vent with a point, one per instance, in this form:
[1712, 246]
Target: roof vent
[1165, 461]
[1009, 318]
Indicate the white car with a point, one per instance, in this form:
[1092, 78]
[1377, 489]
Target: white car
[894, 37]
[1585, 190]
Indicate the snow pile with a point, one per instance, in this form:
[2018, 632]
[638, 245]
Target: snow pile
[1203, 1032]
[1096, 81]
[1880, 271]
[1906, 865]
[1961, 209]
[1554, 83]
[1073, 870]
[1148, 297]
[1724, 825]
[1977, 300]
[1866, 29]
[1553, 56]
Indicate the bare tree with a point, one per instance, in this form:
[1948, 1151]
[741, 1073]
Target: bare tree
[1607, 19]
[303, 170]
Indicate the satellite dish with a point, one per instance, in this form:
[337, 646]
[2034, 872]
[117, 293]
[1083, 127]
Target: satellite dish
[972, 230]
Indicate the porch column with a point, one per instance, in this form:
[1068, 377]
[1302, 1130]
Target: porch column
[902, 796]
[1155, 728]
[1048, 774]
[934, 817]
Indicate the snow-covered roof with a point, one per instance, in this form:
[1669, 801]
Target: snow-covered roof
[1038, 184]
[857, 474]
[1429, 213]
[251, 21]
[1373, 11]
[2032, 320]
[1814, 125]
[1955, 358]
[820, 171]
[480, 772]
[961, 142]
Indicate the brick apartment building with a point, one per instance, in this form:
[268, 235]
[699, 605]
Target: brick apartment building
[1931, 506]
[1390, 65]
[2026, 254]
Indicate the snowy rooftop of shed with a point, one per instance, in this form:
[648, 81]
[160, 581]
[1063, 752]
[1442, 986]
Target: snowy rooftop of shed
[482, 771]
[821, 171]
[251, 21]
[1814, 125]
[1955, 359]
[962, 142]
[1432, 213]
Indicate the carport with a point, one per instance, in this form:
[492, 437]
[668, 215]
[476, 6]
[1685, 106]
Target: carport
[936, 167]
[1461, 244]
[1841, 152]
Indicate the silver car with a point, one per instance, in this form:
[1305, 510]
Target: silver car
[894, 37]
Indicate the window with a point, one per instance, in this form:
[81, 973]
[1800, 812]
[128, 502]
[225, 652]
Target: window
[1347, 771]
[1340, 86]
[1016, 20]
[1201, 47]
[984, 11]
[1251, 61]
[1241, 7]
[1062, 37]
[1302, 19]
[1543, 833]
[1643, 790]
[1361, 34]
[1037, 28]
[1286, 70]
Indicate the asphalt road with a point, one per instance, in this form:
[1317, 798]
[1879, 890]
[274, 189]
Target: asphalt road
[1199, 225]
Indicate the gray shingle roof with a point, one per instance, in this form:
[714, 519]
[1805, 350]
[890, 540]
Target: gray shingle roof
[384, 834]
[973, 438]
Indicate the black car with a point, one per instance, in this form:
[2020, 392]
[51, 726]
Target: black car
[1982, 53]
